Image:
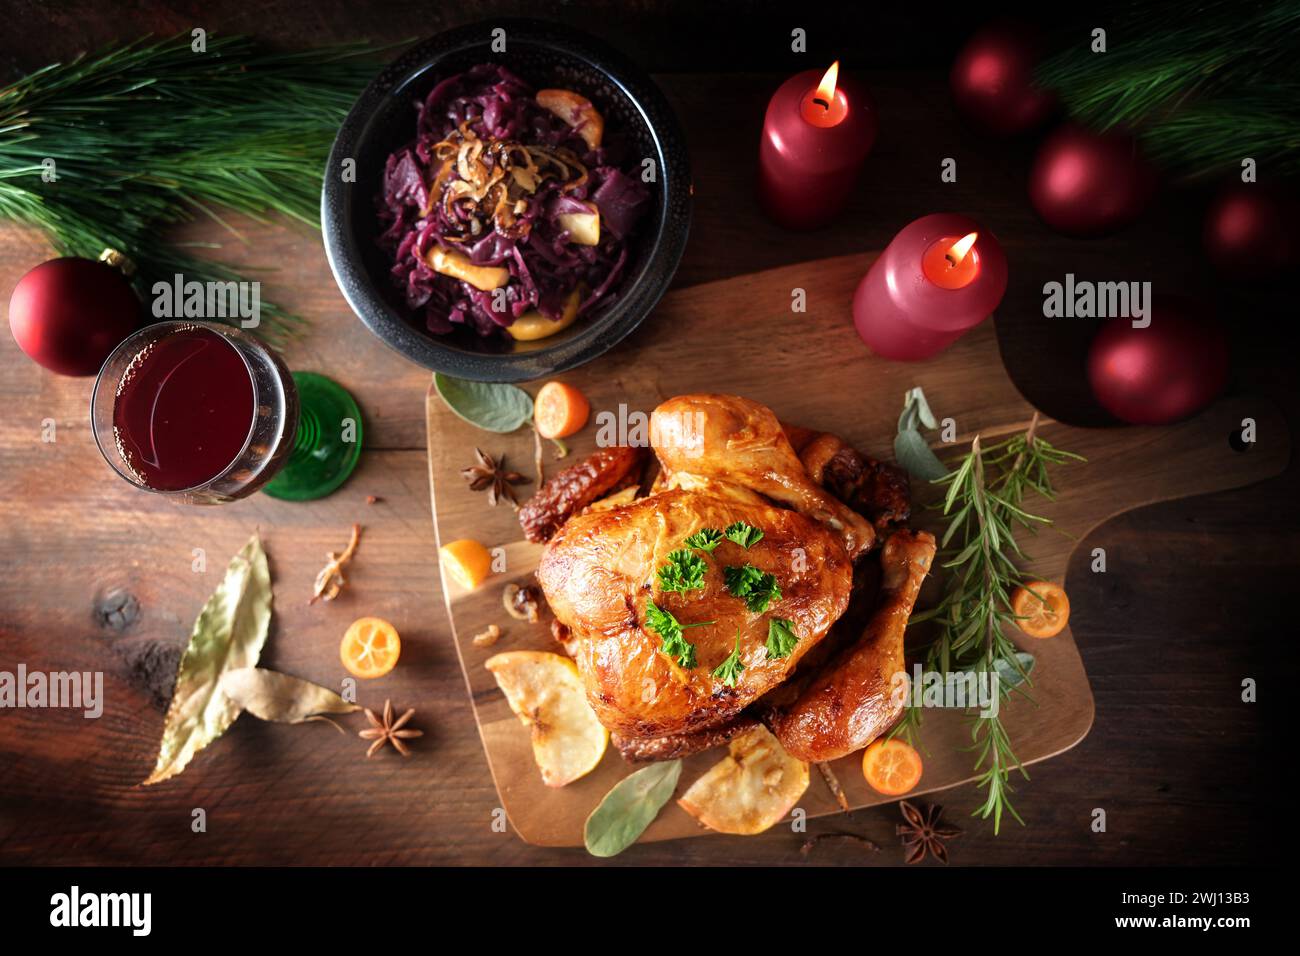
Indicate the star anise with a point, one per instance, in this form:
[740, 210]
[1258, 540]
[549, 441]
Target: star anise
[487, 472]
[924, 831]
[389, 730]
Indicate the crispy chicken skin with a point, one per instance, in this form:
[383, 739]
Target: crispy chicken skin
[851, 701]
[601, 568]
[726, 459]
[879, 490]
[673, 746]
[732, 440]
[565, 494]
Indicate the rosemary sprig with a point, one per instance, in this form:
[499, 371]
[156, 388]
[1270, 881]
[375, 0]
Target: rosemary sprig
[150, 134]
[984, 502]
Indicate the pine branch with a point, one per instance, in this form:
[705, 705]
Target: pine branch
[149, 134]
[1202, 84]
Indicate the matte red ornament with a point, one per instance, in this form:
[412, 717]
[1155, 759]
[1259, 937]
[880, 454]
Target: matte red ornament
[1086, 184]
[1250, 232]
[68, 314]
[1162, 373]
[992, 79]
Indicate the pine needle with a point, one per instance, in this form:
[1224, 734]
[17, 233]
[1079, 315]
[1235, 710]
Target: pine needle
[149, 134]
[1202, 84]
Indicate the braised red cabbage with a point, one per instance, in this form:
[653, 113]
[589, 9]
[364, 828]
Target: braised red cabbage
[455, 187]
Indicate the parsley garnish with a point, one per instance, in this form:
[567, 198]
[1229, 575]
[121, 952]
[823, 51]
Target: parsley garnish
[729, 670]
[781, 637]
[668, 628]
[744, 534]
[757, 588]
[683, 572]
[706, 539]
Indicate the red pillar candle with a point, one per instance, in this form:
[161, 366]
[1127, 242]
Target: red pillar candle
[940, 277]
[815, 137]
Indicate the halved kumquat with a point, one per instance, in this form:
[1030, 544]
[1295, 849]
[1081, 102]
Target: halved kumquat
[370, 647]
[892, 767]
[1043, 609]
[560, 410]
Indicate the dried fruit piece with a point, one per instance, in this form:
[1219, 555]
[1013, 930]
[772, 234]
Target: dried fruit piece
[750, 789]
[548, 696]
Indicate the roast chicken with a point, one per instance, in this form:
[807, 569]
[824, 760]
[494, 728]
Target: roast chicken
[822, 509]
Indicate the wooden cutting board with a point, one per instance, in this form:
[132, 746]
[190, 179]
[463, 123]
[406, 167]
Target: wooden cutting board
[740, 335]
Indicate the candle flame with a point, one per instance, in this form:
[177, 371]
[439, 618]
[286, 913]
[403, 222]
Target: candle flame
[957, 251]
[826, 88]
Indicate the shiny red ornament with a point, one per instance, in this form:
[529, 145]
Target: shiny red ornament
[1250, 232]
[68, 314]
[992, 79]
[1162, 373]
[1086, 184]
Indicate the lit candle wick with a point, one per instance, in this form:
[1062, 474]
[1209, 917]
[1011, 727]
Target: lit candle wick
[957, 251]
[825, 105]
[949, 263]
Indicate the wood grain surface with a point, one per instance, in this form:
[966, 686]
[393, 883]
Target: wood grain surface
[1189, 606]
[812, 370]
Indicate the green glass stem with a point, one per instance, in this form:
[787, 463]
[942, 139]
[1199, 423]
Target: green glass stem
[326, 445]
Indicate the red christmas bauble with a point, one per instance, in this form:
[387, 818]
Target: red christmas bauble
[68, 314]
[1159, 374]
[1246, 236]
[992, 79]
[1086, 184]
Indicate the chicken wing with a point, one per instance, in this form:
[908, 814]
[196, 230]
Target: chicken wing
[732, 440]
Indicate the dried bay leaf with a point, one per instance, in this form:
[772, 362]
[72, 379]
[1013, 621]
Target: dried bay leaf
[228, 634]
[629, 807]
[270, 695]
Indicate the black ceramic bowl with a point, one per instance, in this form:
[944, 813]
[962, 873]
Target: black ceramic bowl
[383, 120]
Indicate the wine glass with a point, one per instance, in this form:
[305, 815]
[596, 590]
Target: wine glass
[205, 413]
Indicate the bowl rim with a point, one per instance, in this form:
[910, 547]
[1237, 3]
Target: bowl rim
[360, 289]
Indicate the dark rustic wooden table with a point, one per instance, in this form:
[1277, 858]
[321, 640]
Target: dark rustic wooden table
[1189, 606]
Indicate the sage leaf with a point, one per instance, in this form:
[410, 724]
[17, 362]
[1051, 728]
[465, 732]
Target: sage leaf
[914, 454]
[1008, 676]
[270, 695]
[915, 398]
[629, 808]
[228, 634]
[491, 406]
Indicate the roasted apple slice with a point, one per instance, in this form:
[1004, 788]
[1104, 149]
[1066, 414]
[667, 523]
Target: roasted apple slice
[583, 227]
[577, 112]
[750, 789]
[532, 325]
[458, 266]
[546, 693]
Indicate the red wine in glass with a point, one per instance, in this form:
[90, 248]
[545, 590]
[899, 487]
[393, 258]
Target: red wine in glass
[201, 412]
[184, 409]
